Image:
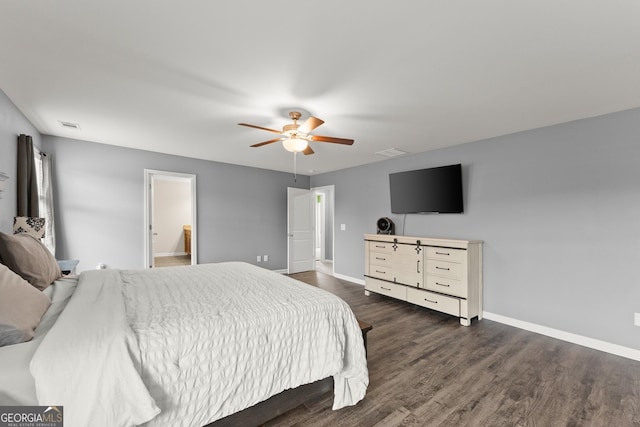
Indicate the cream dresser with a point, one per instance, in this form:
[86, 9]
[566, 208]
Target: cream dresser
[440, 274]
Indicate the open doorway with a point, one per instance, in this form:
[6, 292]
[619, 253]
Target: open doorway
[324, 228]
[170, 219]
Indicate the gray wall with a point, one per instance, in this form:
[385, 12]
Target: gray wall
[241, 211]
[558, 209]
[12, 124]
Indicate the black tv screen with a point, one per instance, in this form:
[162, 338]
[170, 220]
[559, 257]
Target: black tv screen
[427, 190]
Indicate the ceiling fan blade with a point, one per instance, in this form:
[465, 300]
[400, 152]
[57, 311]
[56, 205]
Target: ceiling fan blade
[308, 150]
[259, 127]
[271, 141]
[332, 139]
[310, 124]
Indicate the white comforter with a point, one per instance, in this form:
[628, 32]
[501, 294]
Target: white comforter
[189, 345]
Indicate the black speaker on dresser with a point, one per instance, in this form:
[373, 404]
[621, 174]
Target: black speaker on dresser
[385, 226]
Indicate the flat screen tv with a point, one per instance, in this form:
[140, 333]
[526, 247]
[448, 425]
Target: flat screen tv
[433, 190]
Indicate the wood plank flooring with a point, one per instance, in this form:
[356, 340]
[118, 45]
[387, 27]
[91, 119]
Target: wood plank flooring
[427, 370]
[172, 261]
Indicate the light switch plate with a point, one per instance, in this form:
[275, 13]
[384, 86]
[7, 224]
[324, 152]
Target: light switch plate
[636, 319]
[343, 227]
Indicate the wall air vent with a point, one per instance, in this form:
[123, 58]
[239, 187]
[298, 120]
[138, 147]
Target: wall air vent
[69, 125]
[391, 152]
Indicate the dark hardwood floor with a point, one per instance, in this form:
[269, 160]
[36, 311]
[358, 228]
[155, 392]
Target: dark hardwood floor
[427, 370]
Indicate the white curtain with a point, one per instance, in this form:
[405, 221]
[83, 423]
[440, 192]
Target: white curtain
[45, 197]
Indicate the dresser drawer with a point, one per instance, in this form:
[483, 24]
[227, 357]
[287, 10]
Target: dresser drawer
[381, 272]
[380, 258]
[447, 286]
[447, 254]
[382, 247]
[444, 269]
[433, 301]
[385, 288]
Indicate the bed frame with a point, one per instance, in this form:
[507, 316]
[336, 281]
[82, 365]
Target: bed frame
[276, 405]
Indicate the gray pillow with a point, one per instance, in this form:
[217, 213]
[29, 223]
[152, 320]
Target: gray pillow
[9, 334]
[21, 308]
[29, 258]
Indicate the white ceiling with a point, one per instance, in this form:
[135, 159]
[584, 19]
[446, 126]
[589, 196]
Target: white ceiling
[176, 77]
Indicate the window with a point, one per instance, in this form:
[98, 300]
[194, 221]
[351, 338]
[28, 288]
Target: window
[45, 196]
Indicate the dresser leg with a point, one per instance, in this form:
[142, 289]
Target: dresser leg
[465, 322]
[367, 293]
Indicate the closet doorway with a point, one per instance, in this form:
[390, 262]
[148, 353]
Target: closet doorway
[170, 219]
[324, 228]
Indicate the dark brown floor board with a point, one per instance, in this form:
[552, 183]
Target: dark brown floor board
[426, 369]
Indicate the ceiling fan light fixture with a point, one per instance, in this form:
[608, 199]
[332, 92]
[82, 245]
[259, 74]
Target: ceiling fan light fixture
[295, 145]
[296, 138]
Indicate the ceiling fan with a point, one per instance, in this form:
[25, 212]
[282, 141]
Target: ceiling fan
[296, 138]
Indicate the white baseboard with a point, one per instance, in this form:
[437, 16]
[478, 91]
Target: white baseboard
[349, 279]
[161, 254]
[607, 347]
[336, 275]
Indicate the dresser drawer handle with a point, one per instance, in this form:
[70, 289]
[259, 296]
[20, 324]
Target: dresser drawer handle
[442, 253]
[381, 259]
[381, 247]
[432, 302]
[381, 272]
[386, 289]
[443, 268]
[442, 284]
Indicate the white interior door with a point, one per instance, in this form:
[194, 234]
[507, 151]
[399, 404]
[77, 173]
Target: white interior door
[300, 230]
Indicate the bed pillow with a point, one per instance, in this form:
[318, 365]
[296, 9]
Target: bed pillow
[21, 308]
[29, 258]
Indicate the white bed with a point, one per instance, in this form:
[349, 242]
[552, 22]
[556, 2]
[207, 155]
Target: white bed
[16, 383]
[184, 346]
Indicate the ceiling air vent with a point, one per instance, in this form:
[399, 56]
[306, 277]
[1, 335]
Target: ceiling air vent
[391, 152]
[69, 125]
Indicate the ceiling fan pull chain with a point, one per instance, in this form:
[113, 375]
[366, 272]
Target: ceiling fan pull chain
[295, 174]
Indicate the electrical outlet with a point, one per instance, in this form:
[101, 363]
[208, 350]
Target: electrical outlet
[636, 319]
[265, 258]
[259, 258]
